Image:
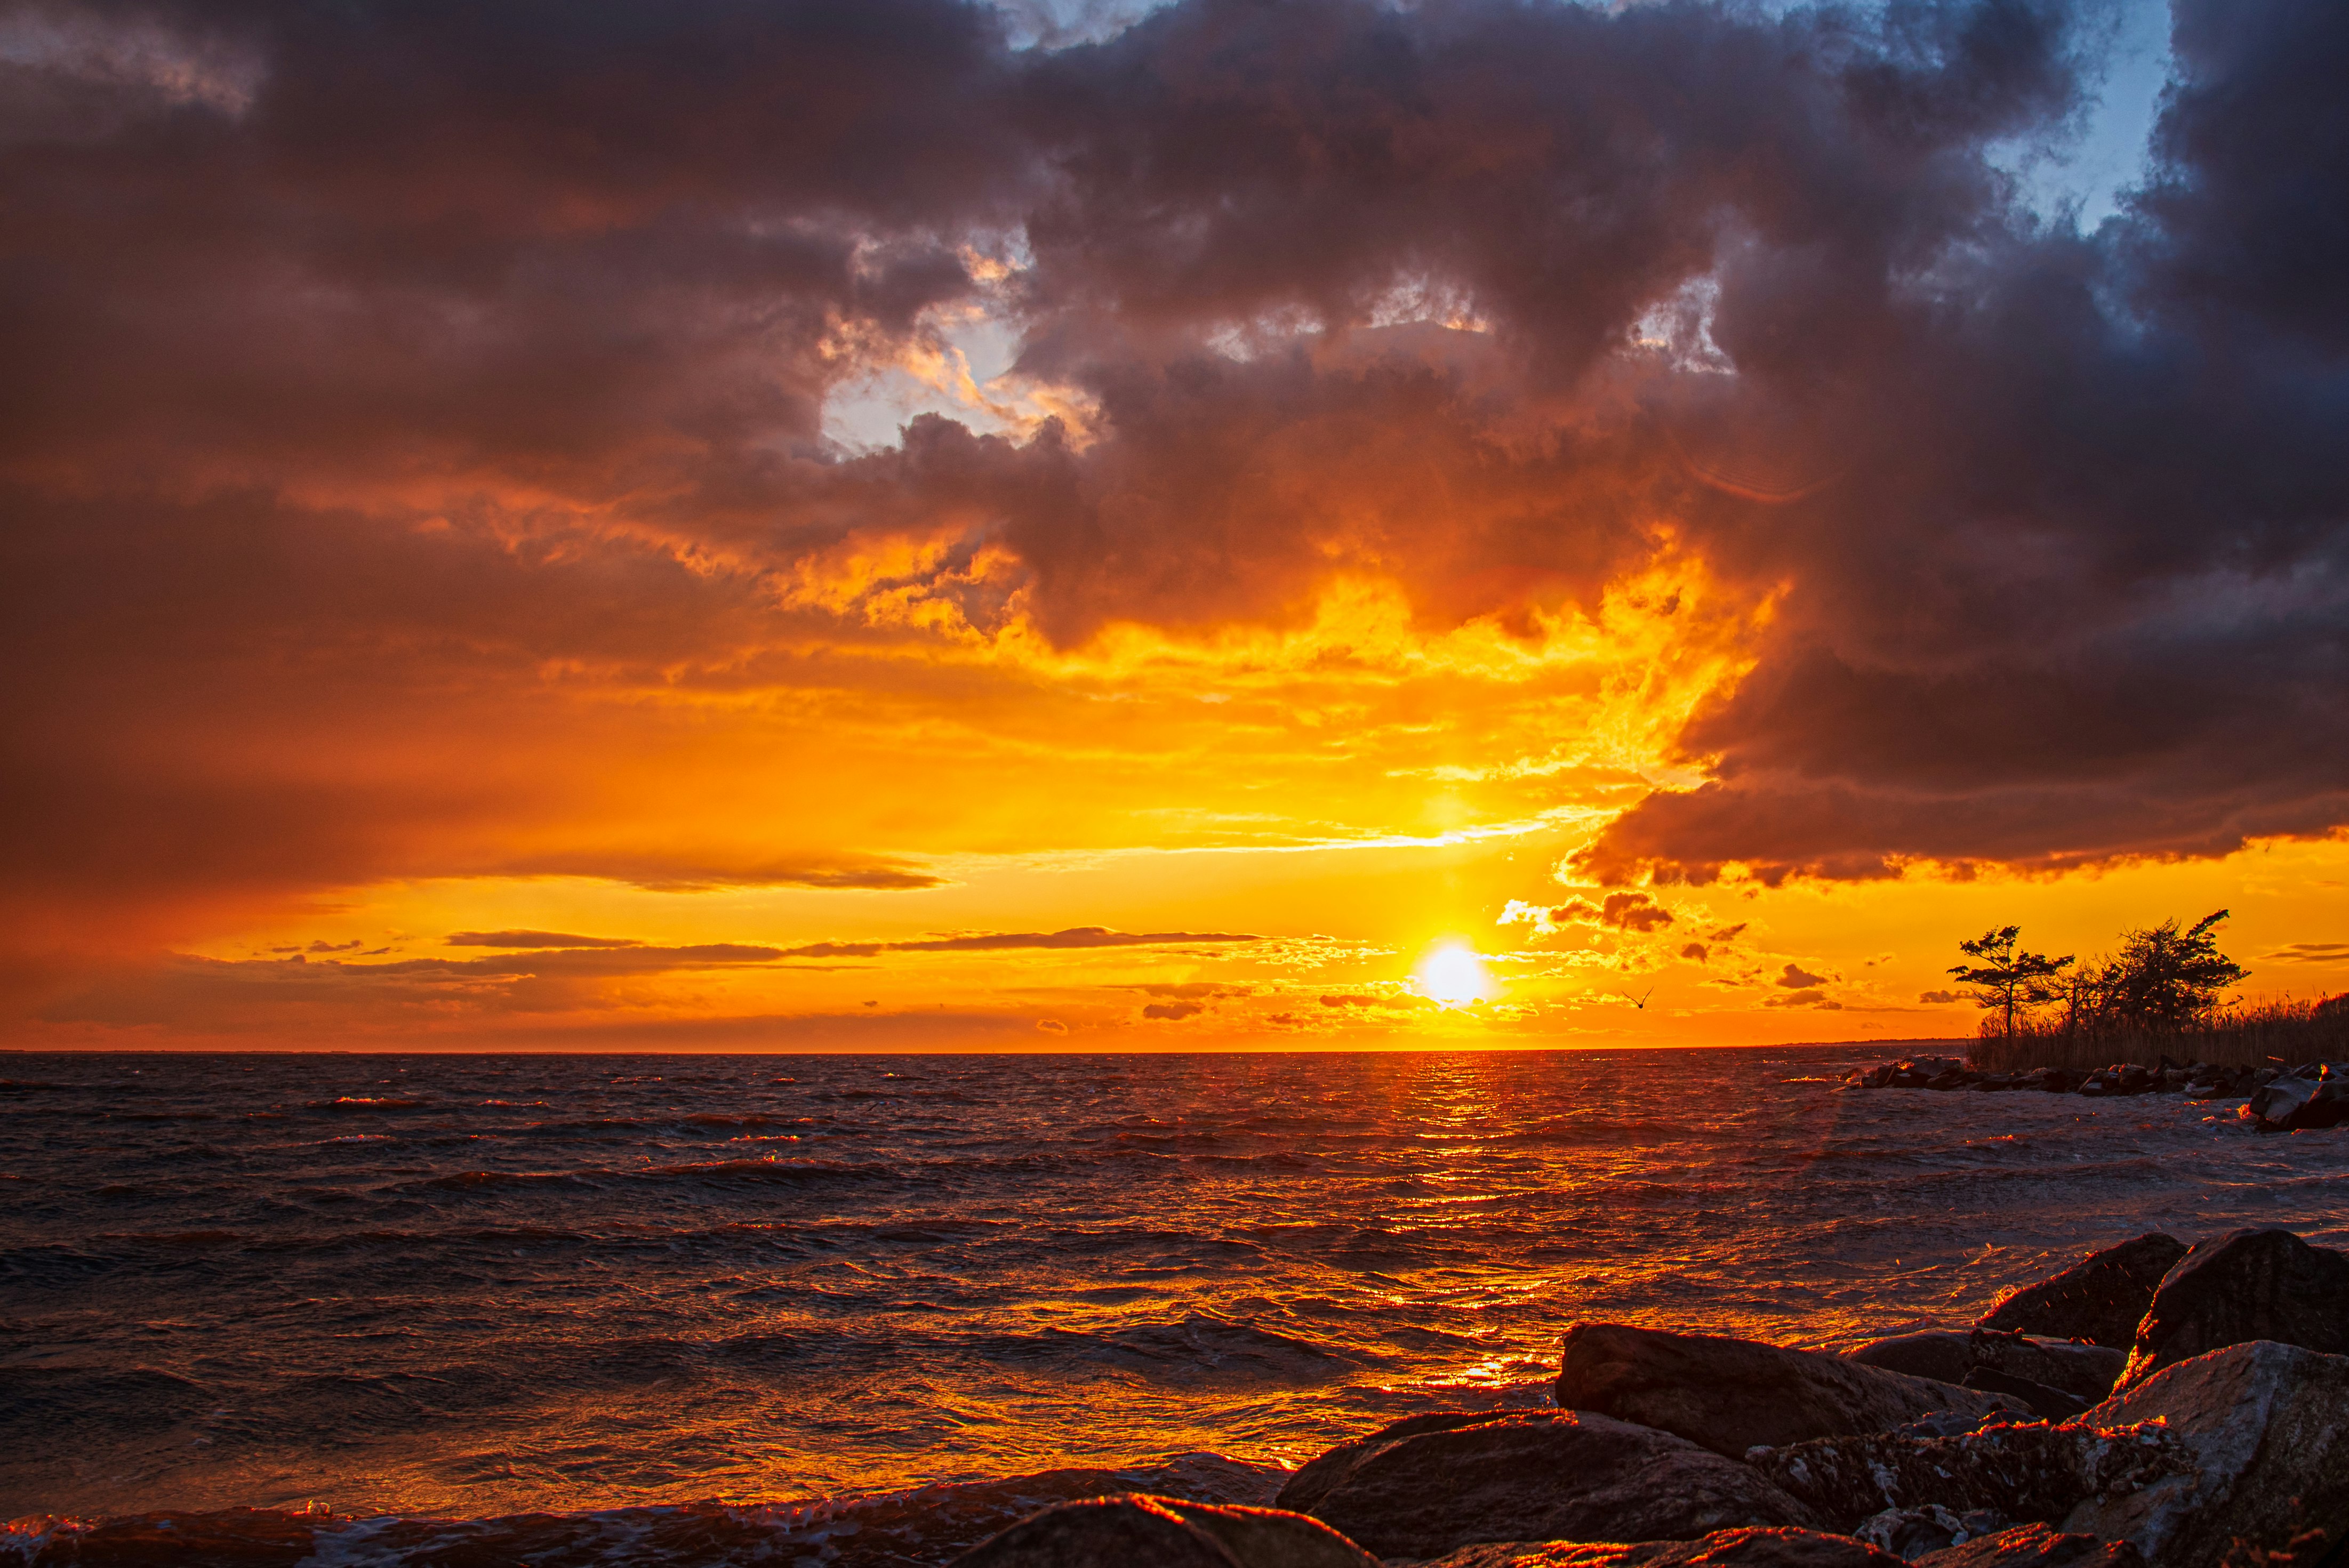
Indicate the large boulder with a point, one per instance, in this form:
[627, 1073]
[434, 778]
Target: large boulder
[1731, 1394]
[1722, 1549]
[1431, 1484]
[2016, 1474]
[2307, 1101]
[1139, 1531]
[2266, 1427]
[1950, 1355]
[2035, 1546]
[2242, 1286]
[2098, 1299]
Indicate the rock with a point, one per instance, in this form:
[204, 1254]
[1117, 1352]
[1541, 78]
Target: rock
[1425, 1486]
[1943, 1355]
[2020, 1473]
[2244, 1285]
[2035, 1546]
[1910, 1533]
[224, 1538]
[2049, 1404]
[2307, 1099]
[1139, 1531]
[2098, 1299]
[1722, 1549]
[2267, 1428]
[1947, 1356]
[2217, 1083]
[1315, 1479]
[1731, 1394]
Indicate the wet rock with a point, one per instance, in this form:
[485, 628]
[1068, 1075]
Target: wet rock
[2035, 1546]
[2244, 1285]
[1948, 1355]
[2209, 1082]
[228, 1538]
[2049, 1404]
[2023, 1473]
[1916, 1072]
[2266, 1427]
[1429, 1485]
[2307, 1099]
[1139, 1531]
[2098, 1299]
[1910, 1533]
[1722, 1549]
[1731, 1394]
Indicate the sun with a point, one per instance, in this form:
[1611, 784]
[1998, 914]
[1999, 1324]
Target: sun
[1453, 975]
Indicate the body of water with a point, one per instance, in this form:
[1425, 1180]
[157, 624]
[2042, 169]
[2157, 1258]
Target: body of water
[470, 1286]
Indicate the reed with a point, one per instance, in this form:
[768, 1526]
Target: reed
[2254, 1034]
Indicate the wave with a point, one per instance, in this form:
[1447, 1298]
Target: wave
[785, 1171]
[1199, 1349]
[495, 1180]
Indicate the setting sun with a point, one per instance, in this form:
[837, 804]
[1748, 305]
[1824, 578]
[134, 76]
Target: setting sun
[1453, 976]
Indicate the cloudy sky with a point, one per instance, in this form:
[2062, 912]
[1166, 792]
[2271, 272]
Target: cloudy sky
[892, 523]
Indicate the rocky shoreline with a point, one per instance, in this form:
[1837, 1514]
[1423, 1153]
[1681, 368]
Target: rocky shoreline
[2307, 1097]
[2154, 1404]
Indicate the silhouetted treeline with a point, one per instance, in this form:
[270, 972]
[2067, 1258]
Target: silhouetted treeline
[2160, 994]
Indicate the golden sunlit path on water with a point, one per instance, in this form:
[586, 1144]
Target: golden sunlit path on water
[467, 1286]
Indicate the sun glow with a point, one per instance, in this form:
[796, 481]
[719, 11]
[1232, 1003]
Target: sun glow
[1453, 975]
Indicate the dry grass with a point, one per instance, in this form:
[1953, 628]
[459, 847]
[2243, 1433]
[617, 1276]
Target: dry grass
[2264, 1033]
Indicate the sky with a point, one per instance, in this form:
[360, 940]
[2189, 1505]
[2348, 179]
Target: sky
[900, 525]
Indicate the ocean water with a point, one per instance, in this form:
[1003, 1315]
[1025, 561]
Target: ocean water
[438, 1288]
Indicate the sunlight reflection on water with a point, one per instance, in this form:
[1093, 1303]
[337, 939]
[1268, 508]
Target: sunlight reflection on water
[472, 1284]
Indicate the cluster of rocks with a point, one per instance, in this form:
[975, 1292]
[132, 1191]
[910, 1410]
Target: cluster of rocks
[2153, 1407]
[2279, 1099]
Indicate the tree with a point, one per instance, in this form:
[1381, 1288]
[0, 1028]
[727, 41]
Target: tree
[2005, 978]
[2165, 979]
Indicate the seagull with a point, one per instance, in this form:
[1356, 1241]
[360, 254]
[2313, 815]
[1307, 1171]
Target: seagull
[1639, 1001]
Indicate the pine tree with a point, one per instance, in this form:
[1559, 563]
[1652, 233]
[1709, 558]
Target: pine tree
[2005, 978]
[2166, 979]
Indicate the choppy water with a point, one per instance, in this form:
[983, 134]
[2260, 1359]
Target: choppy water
[467, 1286]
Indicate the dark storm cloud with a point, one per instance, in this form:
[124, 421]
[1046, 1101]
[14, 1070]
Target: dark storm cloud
[366, 359]
[2083, 595]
